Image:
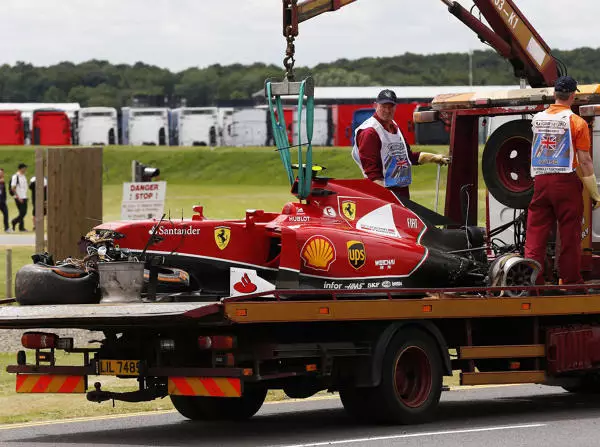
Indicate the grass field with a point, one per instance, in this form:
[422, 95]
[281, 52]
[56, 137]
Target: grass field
[210, 176]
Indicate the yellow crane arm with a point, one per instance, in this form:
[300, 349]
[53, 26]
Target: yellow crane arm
[509, 33]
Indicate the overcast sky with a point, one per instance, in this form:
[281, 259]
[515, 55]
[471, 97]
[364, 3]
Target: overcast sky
[177, 34]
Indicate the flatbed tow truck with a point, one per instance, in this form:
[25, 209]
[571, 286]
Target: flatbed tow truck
[386, 353]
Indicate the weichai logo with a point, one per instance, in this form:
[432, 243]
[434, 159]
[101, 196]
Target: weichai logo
[357, 255]
[318, 253]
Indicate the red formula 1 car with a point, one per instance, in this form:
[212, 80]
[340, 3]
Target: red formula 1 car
[347, 234]
[350, 234]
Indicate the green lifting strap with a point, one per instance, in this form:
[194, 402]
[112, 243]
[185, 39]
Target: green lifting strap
[274, 93]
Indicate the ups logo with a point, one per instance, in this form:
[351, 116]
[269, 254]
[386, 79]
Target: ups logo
[357, 255]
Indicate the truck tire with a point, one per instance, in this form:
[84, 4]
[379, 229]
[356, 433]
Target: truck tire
[200, 408]
[506, 164]
[586, 385]
[302, 387]
[411, 382]
[355, 401]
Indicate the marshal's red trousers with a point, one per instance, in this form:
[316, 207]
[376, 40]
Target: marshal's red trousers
[556, 197]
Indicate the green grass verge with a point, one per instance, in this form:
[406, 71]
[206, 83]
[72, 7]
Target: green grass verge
[249, 177]
[20, 257]
[222, 166]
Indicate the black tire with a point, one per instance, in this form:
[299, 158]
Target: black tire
[302, 387]
[37, 284]
[356, 402]
[585, 385]
[199, 408]
[506, 164]
[412, 354]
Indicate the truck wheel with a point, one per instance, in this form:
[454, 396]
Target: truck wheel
[411, 382]
[586, 385]
[505, 164]
[200, 408]
[356, 402]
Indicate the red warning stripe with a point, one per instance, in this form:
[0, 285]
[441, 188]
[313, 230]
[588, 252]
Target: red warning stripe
[212, 388]
[182, 386]
[205, 386]
[70, 385]
[236, 385]
[41, 384]
[50, 383]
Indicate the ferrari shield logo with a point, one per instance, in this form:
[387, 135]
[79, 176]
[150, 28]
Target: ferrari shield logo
[349, 209]
[222, 237]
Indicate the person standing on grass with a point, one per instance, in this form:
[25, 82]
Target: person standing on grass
[383, 154]
[3, 206]
[32, 188]
[18, 189]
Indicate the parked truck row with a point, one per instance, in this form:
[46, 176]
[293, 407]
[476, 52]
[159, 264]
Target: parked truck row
[340, 112]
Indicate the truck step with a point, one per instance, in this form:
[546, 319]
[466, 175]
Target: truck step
[501, 352]
[502, 377]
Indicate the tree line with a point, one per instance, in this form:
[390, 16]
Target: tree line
[100, 83]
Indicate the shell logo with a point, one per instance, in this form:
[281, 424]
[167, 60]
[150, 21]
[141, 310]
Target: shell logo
[318, 253]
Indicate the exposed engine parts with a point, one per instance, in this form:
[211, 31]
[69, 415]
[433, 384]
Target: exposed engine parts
[511, 270]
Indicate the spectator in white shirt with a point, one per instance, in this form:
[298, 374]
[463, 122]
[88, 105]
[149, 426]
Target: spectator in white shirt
[18, 189]
[32, 189]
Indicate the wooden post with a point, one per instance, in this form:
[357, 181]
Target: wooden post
[74, 197]
[40, 204]
[9, 293]
[133, 165]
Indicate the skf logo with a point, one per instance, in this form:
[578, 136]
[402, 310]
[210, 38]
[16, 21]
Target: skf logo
[356, 254]
[349, 209]
[222, 237]
[318, 253]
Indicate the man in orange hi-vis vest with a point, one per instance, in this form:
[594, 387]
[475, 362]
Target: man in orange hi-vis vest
[561, 143]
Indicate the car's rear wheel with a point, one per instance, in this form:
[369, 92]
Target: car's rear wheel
[37, 284]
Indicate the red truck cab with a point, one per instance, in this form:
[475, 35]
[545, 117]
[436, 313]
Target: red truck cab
[11, 128]
[51, 128]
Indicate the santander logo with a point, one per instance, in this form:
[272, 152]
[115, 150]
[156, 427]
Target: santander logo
[245, 285]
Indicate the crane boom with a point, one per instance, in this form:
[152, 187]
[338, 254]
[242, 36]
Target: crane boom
[312, 8]
[509, 33]
[513, 37]
[295, 13]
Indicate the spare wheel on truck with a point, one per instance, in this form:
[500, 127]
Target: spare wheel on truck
[506, 164]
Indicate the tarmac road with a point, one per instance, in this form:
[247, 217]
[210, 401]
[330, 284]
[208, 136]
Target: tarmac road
[526, 415]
